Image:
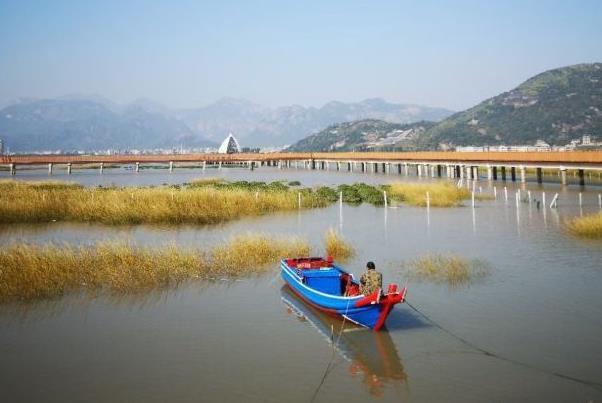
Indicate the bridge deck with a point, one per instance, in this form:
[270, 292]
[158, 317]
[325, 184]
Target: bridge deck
[589, 158]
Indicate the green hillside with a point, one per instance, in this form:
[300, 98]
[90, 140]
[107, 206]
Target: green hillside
[555, 106]
[362, 135]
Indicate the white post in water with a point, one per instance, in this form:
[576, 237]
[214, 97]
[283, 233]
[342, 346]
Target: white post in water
[170, 166]
[554, 202]
[385, 196]
[102, 167]
[341, 200]
[495, 193]
[69, 168]
[529, 196]
[518, 194]
[517, 198]
[600, 200]
[50, 168]
[299, 198]
[428, 200]
[543, 199]
[580, 199]
[472, 198]
[506, 193]
[480, 189]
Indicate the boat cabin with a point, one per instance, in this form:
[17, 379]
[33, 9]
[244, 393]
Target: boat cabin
[323, 275]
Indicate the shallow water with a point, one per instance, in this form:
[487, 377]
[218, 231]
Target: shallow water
[539, 308]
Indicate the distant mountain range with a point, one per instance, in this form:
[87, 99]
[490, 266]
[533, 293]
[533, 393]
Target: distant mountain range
[91, 123]
[556, 106]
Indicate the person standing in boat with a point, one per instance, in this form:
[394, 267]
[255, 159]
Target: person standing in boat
[370, 280]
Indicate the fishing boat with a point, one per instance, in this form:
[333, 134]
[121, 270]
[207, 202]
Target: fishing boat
[326, 286]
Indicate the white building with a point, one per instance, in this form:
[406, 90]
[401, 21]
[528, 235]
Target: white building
[229, 145]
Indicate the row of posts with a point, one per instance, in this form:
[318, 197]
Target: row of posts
[437, 170]
[448, 170]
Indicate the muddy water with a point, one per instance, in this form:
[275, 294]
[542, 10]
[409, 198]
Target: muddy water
[539, 309]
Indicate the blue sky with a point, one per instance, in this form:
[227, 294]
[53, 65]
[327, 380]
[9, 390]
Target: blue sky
[190, 53]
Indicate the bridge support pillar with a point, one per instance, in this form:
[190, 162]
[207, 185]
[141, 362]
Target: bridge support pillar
[13, 169]
[489, 173]
[406, 169]
[581, 174]
[513, 173]
[503, 173]
[563, 175]
[137, 167]
[69, 168]
[475, 173]
[204, 165]
[384, 166]
[350, 166]
[50, 168]
[523, 175]
[439, 170]
[539, 175]
[433, 171]
[494, 173]
[461, 169]
[399, 169]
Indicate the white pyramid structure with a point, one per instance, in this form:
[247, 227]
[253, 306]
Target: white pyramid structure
[229, 145]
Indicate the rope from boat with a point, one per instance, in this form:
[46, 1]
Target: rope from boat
[592, 384]
[330, 365]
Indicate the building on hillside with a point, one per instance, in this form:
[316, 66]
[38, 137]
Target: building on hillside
[229, 145]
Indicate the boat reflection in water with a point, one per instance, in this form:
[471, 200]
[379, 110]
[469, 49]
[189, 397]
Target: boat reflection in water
[372, 355]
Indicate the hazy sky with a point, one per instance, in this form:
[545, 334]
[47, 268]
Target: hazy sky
[182, 54]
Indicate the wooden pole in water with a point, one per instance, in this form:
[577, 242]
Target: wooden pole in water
[554, 202]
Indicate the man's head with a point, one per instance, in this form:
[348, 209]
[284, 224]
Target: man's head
[370, 266]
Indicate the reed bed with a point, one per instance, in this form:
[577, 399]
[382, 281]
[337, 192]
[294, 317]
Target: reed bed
[440, 194]
[31, 272]
[337, 247]
[29, 202]
[588, 226]
[452, 269]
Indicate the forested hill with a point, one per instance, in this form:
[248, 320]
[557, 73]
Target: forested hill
[555, 106]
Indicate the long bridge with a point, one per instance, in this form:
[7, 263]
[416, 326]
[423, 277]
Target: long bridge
[434, 164]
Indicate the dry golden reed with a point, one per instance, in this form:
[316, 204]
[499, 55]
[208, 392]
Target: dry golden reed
[30, 272]
[440, 194]
[49, 201]
[588, 226]
[450, 269]
[337, 247]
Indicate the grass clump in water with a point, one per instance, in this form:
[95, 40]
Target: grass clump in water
[337, 247]
[588, 226]
[30, 272]
[450, 269]
[250, 252]
[206, 203]
[440, 194]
